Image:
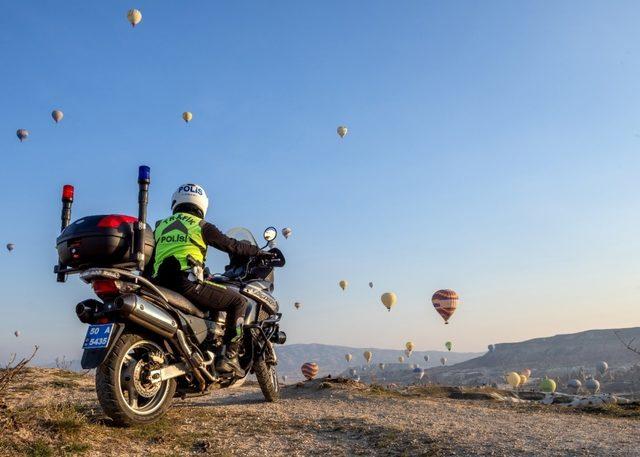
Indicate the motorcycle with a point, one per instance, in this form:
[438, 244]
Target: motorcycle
[150, 344]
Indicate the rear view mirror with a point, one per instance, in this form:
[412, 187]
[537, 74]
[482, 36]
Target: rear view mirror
[270, 234]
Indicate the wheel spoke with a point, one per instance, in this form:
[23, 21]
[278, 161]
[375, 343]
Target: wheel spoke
[133, 396]
[136, 391]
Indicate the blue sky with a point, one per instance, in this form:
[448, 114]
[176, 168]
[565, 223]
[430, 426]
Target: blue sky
[493, 149]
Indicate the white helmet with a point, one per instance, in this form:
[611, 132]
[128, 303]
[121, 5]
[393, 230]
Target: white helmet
[192, 194]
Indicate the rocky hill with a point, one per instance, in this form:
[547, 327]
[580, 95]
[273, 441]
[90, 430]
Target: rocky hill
[559, 356]
[571, 350]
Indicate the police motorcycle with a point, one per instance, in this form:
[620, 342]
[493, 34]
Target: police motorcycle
[150, 344]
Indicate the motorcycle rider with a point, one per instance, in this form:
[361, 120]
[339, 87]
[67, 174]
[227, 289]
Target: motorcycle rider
[180, 252]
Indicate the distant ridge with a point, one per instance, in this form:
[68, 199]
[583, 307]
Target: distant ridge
[567, 350]
[331, 359]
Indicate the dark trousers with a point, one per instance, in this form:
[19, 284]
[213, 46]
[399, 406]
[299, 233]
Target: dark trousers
[216, 297]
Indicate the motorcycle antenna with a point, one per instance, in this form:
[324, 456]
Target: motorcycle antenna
[144, 179]
[67, 202]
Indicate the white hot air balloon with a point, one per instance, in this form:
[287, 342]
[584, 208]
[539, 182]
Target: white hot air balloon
[134, 16]
[286, 232]
[602, 367]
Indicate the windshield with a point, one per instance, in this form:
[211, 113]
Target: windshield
[242, 234]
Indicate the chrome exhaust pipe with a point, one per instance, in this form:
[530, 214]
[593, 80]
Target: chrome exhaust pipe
[86, 310]
[146, 314]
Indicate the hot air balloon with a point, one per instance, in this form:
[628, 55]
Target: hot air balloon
[22, 134]
[418, 373]
[57, 115]
[367, 356]
[448, 345]
[426, 358]
[602, 367]
[407, 353]
[526, 372]
[491, 348]
[284, 378]
[10, 247]
[574, 386]
[342, 131]
[371, 285]
[348, 357]
[389, 299]
[445, 302]
[309, 370]
[343, 284]
[187, 116]
[298, 305]
[286, 232]
[443, 360]
[401, 359]
[513, 379]
[547, 385]
[381, 366]
[134, 16]
[352, 371]
[17, 333]
[523, 379]
[409, 345]
[592, 385]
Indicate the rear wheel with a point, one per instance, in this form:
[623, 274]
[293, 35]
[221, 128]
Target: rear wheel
[268, 379]
[123, 385]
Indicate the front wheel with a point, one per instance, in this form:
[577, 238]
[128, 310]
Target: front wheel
[124, 388]
[268, 379]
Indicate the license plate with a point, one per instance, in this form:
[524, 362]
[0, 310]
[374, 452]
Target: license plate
[98, 336]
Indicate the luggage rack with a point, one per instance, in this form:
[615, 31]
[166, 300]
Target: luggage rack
[137, 257]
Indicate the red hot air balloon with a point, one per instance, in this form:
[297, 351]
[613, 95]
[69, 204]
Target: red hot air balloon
[445, 302]
[309, 370]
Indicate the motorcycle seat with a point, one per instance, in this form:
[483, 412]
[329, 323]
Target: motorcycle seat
[180, 302]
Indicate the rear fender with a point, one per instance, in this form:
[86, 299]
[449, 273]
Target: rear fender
[92, 358]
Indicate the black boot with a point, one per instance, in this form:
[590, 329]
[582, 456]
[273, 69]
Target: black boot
[230, 363]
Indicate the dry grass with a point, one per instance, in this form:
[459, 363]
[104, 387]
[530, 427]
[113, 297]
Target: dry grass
[54, 412]
[12, 372]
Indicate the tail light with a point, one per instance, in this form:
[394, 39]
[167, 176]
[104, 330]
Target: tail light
[115, 220]
[106, 288]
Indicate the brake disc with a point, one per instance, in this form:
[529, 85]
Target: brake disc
[141, 382]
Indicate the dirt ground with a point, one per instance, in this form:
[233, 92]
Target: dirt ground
[52, 412]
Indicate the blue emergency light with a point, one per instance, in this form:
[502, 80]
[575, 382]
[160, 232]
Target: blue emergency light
[144, 173]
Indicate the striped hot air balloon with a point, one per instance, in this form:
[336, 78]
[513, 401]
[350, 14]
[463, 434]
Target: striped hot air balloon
[309, 370]
[445, 302]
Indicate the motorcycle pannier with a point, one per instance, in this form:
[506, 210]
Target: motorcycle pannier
[100, 241]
